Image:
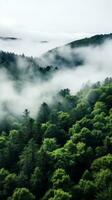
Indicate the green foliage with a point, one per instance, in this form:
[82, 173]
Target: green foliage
[49, 144]
[102, 163]
[43, 115]
[28, 158]
[63, 154]
[60, 179]
[105, 194]
[22, 194]
[60, 195]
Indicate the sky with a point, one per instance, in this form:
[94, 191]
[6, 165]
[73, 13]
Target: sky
[55, 21]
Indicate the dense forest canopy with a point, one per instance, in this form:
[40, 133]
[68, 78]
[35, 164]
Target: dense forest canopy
[65, 151]
[63, 154]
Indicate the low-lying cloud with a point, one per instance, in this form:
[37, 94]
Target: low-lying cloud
[33, 43]
[97, 66]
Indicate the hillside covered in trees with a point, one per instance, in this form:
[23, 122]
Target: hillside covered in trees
[67, 56]
[63, 154]
[20, 67]
[59, 57]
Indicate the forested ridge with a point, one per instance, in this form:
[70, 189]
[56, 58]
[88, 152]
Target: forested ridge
[65, 153]
[51, 60]
[21, 67]
[67, 56]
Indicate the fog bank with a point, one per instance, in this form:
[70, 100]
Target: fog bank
[97, 66]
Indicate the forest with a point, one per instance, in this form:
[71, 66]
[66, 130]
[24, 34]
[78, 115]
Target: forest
[65, 153]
